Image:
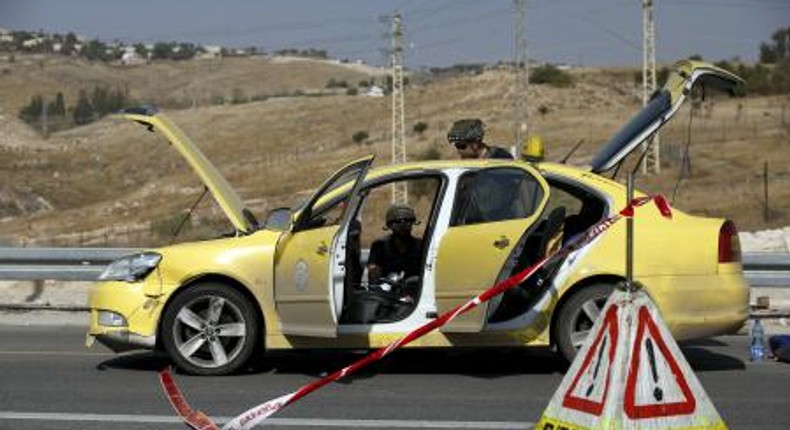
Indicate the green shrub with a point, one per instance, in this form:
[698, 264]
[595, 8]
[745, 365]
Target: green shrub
[550, 75]
[420, 127]
[360, 136]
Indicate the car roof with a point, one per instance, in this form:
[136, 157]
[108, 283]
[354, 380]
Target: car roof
[389, 169]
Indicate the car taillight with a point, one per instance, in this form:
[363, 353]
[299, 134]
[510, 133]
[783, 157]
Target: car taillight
[729, 244]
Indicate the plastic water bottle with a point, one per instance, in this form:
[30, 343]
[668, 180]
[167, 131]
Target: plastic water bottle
[757, 342]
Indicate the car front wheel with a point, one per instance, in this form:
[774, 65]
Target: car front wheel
[577, 317]
[210, 329]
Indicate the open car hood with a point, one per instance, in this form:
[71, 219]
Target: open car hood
[230, 202]
[661, 107]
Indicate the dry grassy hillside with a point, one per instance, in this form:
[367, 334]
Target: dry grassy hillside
[113, 183]
[169, 83]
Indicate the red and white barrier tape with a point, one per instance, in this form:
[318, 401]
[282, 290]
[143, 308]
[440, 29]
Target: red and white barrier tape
[250, 418]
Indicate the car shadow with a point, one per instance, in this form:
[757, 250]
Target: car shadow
[143, 361]
[482, 363]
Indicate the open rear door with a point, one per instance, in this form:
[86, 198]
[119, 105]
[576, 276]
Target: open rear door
[493, 209]
[303, 278]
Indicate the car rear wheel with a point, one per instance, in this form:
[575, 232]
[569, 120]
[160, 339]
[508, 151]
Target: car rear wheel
[577, 317]
[210, 329]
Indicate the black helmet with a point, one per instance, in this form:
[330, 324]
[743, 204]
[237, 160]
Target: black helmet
[466, 130]
[400, 211]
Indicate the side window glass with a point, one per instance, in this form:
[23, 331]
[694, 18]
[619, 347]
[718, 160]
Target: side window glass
[329, 205]
[328, 215]
[493, 195]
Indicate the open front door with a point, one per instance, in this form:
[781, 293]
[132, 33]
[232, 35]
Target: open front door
[493, 209]
[303, 272]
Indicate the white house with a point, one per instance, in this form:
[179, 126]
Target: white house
[6, 36]
[210, 52]
[374, 91]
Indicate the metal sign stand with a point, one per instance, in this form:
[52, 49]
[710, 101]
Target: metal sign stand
[629, 285]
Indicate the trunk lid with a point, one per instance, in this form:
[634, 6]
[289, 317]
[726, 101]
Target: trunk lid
[662, 106]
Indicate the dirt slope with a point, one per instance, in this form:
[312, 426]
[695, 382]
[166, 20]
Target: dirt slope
[113, 183]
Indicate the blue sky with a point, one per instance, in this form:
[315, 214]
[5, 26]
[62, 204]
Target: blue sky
[437, 32]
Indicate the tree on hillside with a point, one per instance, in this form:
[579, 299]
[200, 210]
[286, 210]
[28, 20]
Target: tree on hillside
[95, 50]
[141, 50]
[57, 107]
[161, 51]
[69, 44]
[33, 110]
[778, 49]
[83, 112]
[420, 127]
[360, 136]
[551, 75]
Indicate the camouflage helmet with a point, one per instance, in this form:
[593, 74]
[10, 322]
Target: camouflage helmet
[400, 211]
[466, 130]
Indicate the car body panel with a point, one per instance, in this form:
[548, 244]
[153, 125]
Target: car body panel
[668, 254]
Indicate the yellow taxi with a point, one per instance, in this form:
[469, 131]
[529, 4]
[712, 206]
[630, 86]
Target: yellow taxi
[299, 279]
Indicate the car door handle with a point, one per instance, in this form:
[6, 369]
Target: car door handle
[322, 249]
[501, 243]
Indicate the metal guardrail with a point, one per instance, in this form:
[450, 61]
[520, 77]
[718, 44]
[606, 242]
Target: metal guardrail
[767, 269]
[62, 264]
[86, 264]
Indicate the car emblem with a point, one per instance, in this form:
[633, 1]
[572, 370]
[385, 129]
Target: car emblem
[301, 273]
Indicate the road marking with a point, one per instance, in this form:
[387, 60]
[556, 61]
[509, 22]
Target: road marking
[294, 422]
[68, 353]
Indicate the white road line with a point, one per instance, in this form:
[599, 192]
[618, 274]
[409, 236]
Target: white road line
[301, 422]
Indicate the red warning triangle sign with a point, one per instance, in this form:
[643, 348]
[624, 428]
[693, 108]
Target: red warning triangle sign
[590, 386]
[630, 375]
[650, 392]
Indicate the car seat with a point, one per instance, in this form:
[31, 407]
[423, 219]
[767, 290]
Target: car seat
[519, 299]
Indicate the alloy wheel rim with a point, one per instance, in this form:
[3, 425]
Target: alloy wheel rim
[209, 331]
[584, 319]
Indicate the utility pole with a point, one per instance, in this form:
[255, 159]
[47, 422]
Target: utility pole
[652, 160]
[399, 190]
[522, 75]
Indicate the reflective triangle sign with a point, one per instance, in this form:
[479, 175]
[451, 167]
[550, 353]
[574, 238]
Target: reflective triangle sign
[588, 391]
[656, 386]
[630, 374]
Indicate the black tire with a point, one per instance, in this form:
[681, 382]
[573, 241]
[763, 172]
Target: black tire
[575, 318]
[205, 342]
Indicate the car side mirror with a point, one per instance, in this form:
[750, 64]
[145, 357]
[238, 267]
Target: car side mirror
[279, 219]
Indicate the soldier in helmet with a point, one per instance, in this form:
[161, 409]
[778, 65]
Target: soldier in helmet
[398, 253]
[467, 137]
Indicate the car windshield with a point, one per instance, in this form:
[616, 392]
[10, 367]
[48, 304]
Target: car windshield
[659, 105]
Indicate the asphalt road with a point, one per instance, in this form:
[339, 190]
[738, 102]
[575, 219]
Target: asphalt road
[48, 380]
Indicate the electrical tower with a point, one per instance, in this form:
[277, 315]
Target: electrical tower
[399, 190]
[522, 75]
[652, 160]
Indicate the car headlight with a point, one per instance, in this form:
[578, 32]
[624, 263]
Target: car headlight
[132, 268]
[111, 319]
